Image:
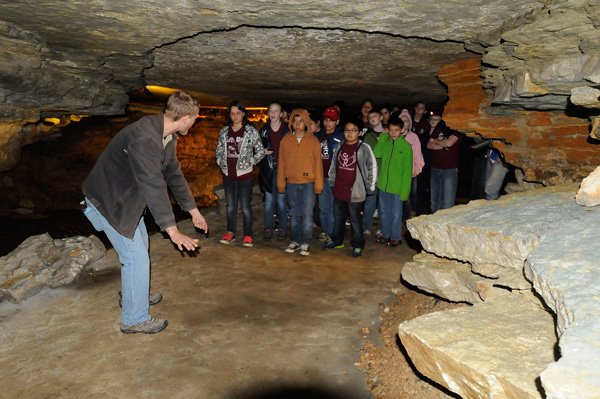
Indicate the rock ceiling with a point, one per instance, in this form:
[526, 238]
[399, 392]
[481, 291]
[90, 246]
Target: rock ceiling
[85, 56]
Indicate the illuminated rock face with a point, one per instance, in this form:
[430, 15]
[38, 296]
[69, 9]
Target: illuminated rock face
[85, 57]
[549, 146]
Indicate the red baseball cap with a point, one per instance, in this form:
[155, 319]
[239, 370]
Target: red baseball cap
[331, 113]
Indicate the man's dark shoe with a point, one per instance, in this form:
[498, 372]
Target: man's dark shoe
[153, 298]
[150, 326]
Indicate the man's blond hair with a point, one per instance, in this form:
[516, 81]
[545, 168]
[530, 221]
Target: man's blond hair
[179, 105]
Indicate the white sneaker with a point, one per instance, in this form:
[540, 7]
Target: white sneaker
[293, 247]
[304, 251]
[375, 214]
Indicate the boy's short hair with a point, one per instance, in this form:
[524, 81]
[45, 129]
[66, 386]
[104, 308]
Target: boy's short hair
[396, 121]
[181, 104]
[356, 121]
[375, 110]
[387, 106]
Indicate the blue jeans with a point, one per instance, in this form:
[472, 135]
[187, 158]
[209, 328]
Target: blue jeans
[238, 191]
[275, 200]
[301, 199]
[443, 188]
[369, 210]
[135, 272]
[326, 207]
[494, 178]
[341, 211]
[390, 219]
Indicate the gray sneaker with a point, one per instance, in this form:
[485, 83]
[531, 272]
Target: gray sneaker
[150, 326]
[153, 298]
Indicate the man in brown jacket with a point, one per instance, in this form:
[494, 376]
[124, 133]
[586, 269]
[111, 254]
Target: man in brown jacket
[300, 175]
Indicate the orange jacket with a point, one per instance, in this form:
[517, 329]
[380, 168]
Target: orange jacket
[300, 163]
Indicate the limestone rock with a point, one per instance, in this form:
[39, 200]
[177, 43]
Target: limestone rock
[40, 261]
[495, 349]
[504, 277]
[445, 278]
[555, 241]
[76, 253]
[589, 192]
[586, 96]
[502, 232]
[564, 271]
[540, 57]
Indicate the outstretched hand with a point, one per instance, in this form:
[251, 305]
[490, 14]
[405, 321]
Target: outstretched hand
[198, 220]
[181, 240]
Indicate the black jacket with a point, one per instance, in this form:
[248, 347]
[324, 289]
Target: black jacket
[133, 172]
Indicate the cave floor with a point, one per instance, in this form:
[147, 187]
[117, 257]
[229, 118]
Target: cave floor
[243, 323]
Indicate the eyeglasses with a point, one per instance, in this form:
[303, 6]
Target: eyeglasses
[351, 130]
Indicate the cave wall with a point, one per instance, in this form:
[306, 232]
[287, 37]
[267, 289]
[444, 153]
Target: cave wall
[550, 146]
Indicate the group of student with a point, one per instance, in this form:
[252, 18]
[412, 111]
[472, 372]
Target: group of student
[384, 160]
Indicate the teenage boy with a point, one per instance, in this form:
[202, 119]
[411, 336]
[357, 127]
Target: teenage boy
[330, 136]
[300, 175]
[271, 135]
[371, 138]
[394, 181]
[132, 174]
[353, 174]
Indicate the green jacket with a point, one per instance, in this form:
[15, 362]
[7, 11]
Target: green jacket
[395, 173]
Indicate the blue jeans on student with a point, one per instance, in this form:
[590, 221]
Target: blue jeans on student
[238, 191]
[390, 219]
[343, 210]
[326, 207]
[369, 210]
[301, 199]
[135, 272]
[275, 203]
[443, 188]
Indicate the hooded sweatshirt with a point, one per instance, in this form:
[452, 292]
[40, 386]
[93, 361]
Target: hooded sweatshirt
[413, 140]
[300, 162]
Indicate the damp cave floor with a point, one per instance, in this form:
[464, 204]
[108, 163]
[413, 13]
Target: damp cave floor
[244, 323]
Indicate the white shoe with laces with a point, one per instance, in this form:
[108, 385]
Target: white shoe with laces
[304, 250]
[293, 247]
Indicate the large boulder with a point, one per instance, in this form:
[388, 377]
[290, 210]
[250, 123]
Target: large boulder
[545, 235]
[43, 261]
[495, 349]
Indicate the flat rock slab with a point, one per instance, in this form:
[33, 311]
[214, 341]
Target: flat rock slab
[503, 232]
[553, 240]
[445, 278]
[564, 270]
[495, 349]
